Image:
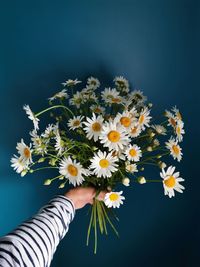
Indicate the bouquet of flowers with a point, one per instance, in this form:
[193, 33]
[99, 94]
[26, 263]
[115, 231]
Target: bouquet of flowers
[102, 137]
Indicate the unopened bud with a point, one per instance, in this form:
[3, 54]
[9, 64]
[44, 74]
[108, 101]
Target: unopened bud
[152, 134]
[126, 181]
[149, 148]
[41, 160]
[23, 173]
[141, 180]
[161, 164]
[150, 105]
[109, 188]
[62, 185]
[47, 182]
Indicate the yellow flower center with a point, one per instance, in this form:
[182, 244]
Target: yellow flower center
[141, 119]
[114, 136]
[76, 123]
[96, 127]
[179, 115]
[115, 153]
[134, 130]
[104, 163]
[178, 130]
[27, 152]
[132, 152]
[97, 110]
[173, 122]
[125, 121]
[176, 149]
[116, 100]
[72, 170]
[113, 197]
[170, 182]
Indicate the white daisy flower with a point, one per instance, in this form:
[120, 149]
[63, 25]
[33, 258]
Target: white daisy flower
[50, 131]
[75, 123]
[114, 136]
[97, 109]
[156, 142]
[175, 149]
[73, 171]
[24, 151]
[135, 131]
[121, 83]
[117, 100]
[159, 129]
[171, 181]
[93, 127]
[61, 94]
[39, 144]
[125, 119]
[103, 164]
[137, 96]
[114, 199]
[31, 116]
[18, 164]
[131, 167]
[93, 83]
[77, 99]
[178, 115]
[179, 130]
[133, 113]
[119, 154]
[144, 118]
[108, 94]
[60, 144]
[71, 83]
[171, 118]
[133, 152]
[90, 96]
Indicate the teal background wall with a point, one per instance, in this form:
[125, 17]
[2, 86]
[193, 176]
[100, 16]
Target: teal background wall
[153, 44]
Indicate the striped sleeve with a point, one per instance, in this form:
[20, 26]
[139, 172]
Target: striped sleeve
[34, 242]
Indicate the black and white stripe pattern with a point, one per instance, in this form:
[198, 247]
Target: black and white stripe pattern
[34, 242]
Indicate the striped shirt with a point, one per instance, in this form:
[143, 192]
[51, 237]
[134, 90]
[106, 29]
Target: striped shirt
[34, 242]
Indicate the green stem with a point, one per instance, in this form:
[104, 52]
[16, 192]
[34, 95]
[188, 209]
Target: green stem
[50, 108]
[95, 226]
[154, 181]
[106, 215]
[43, 168]
[89, 227]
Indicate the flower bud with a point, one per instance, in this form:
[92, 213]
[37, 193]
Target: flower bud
[156, 142]
[152, 134]
[52, 161]
[161, 164]
[47, 182]
[41, 160]
[126, 181]
[149, 148]
[150, 105]
[62, 185]
[141, 180]
[109, 188]
[23, 173]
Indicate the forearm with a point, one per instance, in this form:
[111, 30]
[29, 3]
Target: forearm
[34, 242]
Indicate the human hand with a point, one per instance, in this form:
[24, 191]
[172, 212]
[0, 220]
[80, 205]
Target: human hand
[81, 196]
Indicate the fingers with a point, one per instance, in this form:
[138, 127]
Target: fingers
[101, 195]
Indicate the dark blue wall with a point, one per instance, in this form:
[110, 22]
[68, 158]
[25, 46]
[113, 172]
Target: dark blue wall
[152, 43]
